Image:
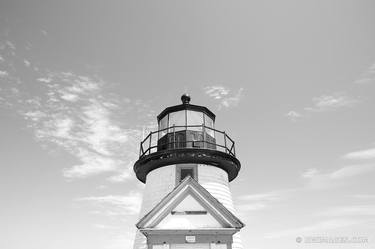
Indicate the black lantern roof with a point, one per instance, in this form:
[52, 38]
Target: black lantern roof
[186, 106]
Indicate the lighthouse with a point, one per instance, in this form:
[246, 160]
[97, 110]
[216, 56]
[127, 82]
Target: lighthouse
[186, 166]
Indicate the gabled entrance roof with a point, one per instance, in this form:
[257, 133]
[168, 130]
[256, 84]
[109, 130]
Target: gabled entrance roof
[189, 194]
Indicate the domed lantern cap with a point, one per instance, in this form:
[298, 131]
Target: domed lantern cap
[185, 98]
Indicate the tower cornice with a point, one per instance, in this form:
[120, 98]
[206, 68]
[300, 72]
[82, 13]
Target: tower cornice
[219, 159]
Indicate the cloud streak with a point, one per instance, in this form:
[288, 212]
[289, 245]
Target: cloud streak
[353, 210]
[320, 227]
[324, 103]
[293, 115]
[319, 180]
[77, 113]
[216, 92]
[367, 77]
[361, 154]
[331, 102]
[76, 116]
[115, 205]
[225, 96]
[255, 202]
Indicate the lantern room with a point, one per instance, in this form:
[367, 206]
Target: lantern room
[185, 126]
[186, 134]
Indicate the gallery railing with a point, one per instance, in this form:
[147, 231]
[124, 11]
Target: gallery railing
[190, 136]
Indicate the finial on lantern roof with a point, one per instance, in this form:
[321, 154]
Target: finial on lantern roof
[185, 98]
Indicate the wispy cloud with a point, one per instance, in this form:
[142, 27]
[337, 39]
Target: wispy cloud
[44, 32]
[76, 116]
[324, 103]
[259, 201]
[10, 45]
[77, 113]
[331, 102]
[368, 76]
[123, 240]
[353, 210]
[293, 115]
[310, 173]
[319, 227]
[364, 196]
[27, 63]
[317, 179]
[361, 154]
[352, 170]
[3, 73]
[226, 97]
[269, 196]
[106, 227]
[216, 92]
[114, 205]
[248, 207]
[233, 100]
[44, 80]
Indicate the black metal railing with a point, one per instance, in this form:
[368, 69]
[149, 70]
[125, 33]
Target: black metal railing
[190, 136]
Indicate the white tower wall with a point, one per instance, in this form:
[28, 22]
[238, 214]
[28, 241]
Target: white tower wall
[215, 180]
[162, 181]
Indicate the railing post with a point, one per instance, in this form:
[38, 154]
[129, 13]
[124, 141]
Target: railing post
[225, 142]
[149, 146]
[204, 136]
[174, 137]
[186, 136]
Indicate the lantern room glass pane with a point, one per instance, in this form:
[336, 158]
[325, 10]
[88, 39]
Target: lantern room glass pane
[195, 118]
[177, 119]
[208, 121]
[210, 124]
[163, 124]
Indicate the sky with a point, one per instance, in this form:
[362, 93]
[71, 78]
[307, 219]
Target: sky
[81, 82]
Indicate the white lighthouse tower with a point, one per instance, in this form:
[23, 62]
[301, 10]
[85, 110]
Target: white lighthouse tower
[187, 165]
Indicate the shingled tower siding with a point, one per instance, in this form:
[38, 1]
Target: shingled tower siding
[215, 180]
[159, 183]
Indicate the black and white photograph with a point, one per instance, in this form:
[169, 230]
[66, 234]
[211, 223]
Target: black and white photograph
[176, 124]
